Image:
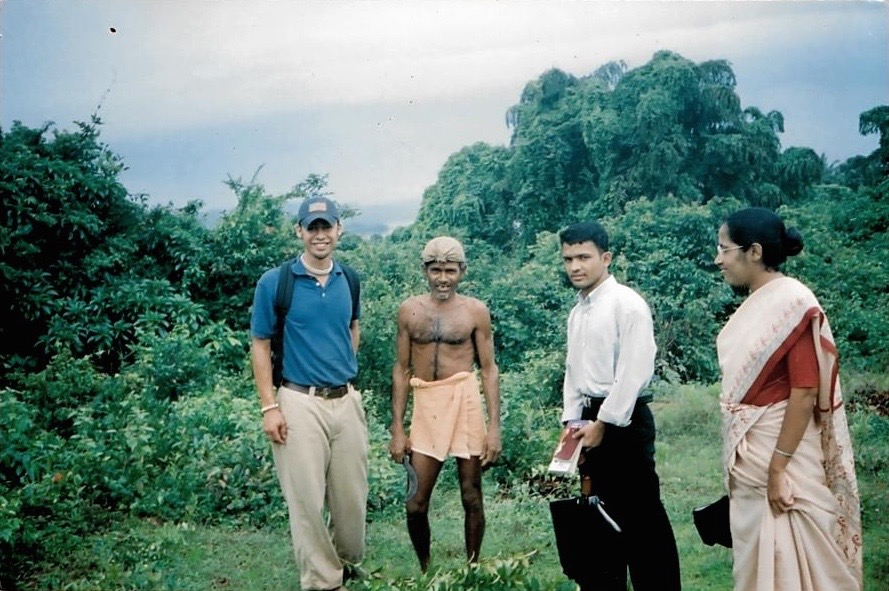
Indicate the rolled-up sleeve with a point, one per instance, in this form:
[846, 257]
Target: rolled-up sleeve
[572, 400]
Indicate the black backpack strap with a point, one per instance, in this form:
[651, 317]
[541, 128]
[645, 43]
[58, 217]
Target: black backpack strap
[354, 288]
[284, 293]
[283, 297]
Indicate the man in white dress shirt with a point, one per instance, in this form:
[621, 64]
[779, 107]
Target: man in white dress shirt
[609, 363]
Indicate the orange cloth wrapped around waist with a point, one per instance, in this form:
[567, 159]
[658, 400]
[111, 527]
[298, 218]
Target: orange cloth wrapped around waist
[447, 417]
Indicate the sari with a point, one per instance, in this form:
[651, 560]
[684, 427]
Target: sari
[816, 545]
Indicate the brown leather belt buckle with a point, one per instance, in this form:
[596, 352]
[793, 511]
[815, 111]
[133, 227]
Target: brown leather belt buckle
[328, 393]
[324, 392]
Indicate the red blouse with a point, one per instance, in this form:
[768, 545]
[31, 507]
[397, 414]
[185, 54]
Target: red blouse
[796, 367]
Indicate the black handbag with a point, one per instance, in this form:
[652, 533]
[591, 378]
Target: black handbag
[586, 536]
[712, 523]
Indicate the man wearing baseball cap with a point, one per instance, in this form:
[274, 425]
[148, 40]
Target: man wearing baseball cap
[440, 336]
[314, 418]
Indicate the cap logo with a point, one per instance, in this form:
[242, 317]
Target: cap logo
[317, 206]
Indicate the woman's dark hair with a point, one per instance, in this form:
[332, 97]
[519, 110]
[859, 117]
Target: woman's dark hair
[585, 232]
[764, 227]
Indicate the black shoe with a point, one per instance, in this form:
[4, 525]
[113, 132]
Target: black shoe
[352, 572]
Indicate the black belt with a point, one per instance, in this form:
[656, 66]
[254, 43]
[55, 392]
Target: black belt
[596, 400]
[326, 392]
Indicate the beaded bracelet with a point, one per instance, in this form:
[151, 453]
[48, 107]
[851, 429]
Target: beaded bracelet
[266, 409]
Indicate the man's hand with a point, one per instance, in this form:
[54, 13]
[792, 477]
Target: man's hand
[591, 434]
[399, 445]
[493, 447]
[275, 426]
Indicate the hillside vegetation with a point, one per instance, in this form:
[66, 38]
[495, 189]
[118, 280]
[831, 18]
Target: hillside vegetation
[128, 418]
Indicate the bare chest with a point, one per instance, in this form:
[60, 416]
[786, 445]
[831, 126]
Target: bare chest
[451, 329]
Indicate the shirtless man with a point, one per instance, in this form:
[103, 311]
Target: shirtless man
[440, 336]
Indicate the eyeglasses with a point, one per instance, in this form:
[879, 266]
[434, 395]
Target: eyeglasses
[720, 249]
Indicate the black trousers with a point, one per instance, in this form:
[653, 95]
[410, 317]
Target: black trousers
[623, 476]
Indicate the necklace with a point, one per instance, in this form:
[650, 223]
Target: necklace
[313, 270]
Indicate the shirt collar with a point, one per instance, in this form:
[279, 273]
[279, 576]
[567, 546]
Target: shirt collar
[604, 287]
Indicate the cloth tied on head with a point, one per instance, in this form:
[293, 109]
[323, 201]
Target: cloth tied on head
[443, 249]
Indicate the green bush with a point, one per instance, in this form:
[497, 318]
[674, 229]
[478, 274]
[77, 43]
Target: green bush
[530, 419]
[219, 463]
[387, 481]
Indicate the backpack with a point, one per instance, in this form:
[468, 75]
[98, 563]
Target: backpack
[283, 298]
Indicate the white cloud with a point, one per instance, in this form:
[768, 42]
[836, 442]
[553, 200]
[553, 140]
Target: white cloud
[379, 93]
[183, 64]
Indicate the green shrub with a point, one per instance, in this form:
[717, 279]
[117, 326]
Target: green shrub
[530, 420]
[387, 482]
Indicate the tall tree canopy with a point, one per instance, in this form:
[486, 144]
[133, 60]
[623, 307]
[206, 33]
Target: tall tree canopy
[588, 146]
[62, 207]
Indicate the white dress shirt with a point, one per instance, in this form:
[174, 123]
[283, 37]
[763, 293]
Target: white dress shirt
[610, 352]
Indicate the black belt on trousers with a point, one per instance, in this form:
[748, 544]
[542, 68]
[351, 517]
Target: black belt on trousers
[326, 392]
[597, 401]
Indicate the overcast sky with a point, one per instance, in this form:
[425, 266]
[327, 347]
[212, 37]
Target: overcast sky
[379, 94]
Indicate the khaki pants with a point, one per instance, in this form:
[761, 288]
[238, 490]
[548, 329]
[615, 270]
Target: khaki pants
[324, 463]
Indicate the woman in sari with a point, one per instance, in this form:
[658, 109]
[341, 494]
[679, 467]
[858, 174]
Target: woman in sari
[787, 454]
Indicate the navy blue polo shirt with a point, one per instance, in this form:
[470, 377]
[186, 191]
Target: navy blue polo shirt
[317, 342]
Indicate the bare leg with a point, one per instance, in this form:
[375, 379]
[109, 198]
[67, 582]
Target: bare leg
[470, 473]
[418, 506]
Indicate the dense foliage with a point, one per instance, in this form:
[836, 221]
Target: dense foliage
[125, 379]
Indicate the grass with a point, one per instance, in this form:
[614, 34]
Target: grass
[145, 555]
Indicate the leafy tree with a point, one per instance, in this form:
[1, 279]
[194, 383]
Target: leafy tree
[165, 247]
[798, 170]
[664, 249]
[873, 169]
[529, 299]
[61, 203]
[470, 197]
[255, 236]
[549, 168]
[844, 231]
[587, 147]
[876, 120]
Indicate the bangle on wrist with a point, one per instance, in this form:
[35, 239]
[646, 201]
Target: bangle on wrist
[781, 452]
[266, 409]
